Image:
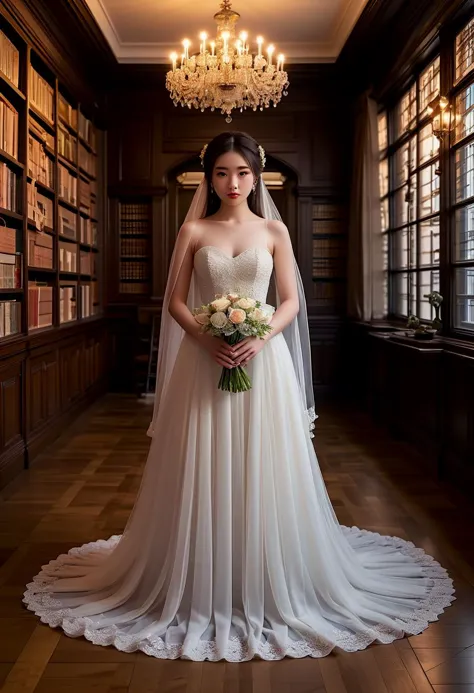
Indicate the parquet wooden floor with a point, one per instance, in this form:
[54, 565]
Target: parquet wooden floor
[83, 489]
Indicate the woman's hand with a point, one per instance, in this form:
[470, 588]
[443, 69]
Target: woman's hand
[245, 350]
[218, 348]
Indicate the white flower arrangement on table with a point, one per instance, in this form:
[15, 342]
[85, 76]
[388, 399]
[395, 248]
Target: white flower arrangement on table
[234, 317]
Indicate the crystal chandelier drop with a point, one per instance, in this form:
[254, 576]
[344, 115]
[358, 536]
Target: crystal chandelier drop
[224, 75]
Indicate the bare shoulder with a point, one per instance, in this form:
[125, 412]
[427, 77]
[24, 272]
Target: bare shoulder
[278, 228]
[189, 232]
[279, 233]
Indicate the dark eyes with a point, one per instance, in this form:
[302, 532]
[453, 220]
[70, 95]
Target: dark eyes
[241, 173]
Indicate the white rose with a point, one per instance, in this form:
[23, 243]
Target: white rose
[220, 304]
[257, 314]
[233, 297]
[246, 303]
[202, 318]
[219, 319]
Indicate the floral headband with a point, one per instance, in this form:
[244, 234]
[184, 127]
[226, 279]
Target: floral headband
[260, 149]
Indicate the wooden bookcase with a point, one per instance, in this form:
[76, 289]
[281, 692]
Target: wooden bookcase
[329, 258]
[50, 160]
[135, 226]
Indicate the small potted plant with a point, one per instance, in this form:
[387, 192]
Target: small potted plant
[417, 330]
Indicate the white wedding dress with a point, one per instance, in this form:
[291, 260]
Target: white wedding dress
[233, 549]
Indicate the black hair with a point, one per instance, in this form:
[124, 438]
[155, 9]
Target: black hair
[247, 147]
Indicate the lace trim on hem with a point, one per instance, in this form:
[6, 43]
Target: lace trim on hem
[38, 599]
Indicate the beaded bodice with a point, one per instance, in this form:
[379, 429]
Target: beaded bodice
[247, 273]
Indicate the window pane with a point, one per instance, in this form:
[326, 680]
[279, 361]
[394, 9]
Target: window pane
[465, 172]
[429, 84]
[464, 238]
[384, 214]
[464, 316]
[383, 177]
[464, 113]
[429, 281]
[429, 144]
[404, 293]
[429, 191]
[405, 205]
[465, 51]
[383, 134]
[385, 250]
[404, 248]
[405, 161]
[406, 112]
[429, 242]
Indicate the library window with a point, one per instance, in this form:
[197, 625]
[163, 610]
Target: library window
[410, 198]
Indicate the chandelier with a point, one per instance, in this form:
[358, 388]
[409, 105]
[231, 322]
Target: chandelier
[224, 75]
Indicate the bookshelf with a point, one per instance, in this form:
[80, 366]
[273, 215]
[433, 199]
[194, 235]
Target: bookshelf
[329, 258]
[135, 220]
[49, 164]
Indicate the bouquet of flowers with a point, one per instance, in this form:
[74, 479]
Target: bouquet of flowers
[234, 317]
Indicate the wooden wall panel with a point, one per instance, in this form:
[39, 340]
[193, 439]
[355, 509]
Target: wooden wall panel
[10, 404]
[60, 378]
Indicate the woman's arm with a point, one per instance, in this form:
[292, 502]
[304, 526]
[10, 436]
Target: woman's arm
[285, 278]
[177, 306]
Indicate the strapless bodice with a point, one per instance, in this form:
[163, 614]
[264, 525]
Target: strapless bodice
[247, 273]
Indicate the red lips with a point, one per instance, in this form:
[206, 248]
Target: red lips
[233, 196]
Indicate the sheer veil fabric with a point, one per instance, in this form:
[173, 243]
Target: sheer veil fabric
[233, 549]
[171, 333]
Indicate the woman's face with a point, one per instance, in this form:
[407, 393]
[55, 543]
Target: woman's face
[232, 179]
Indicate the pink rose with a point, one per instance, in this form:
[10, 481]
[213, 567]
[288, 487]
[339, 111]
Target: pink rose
[237, 316]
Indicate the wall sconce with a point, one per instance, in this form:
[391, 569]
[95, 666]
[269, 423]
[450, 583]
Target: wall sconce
[443, 118]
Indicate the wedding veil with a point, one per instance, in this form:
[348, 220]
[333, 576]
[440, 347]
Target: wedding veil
[171, 333]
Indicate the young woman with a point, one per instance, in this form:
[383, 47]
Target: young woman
[233, 549]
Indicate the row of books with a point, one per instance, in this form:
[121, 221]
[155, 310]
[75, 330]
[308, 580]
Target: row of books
[10, 271]
[67, 257]
[87, 161]
[41, 94]
[67, 222]
[45, 138]
[67, 113]
[329, 295]
[40, 250]
[10, 318]
[40, 304]
[88, 231]
[7, 240]
[9, 59]
[134, 247]
[327, 226]
[88, 197]
[88, 263]
[87, 131]
[40, 208]
[67, 144]
[40, 165]
[8, 188]
[135, 288]
[89, 299]
[67, 185]
[8, 128]
[67, 303]
[134, 270]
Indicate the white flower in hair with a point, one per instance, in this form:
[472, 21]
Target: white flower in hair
[263, 160]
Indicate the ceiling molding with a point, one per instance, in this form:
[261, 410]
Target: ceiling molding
[295, 52]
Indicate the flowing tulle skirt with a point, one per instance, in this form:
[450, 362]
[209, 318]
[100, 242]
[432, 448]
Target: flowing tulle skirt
[233, 549]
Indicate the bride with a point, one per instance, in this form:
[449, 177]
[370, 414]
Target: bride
[233, 549]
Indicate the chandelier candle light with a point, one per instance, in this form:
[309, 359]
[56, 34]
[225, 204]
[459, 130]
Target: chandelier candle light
[224, 75]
